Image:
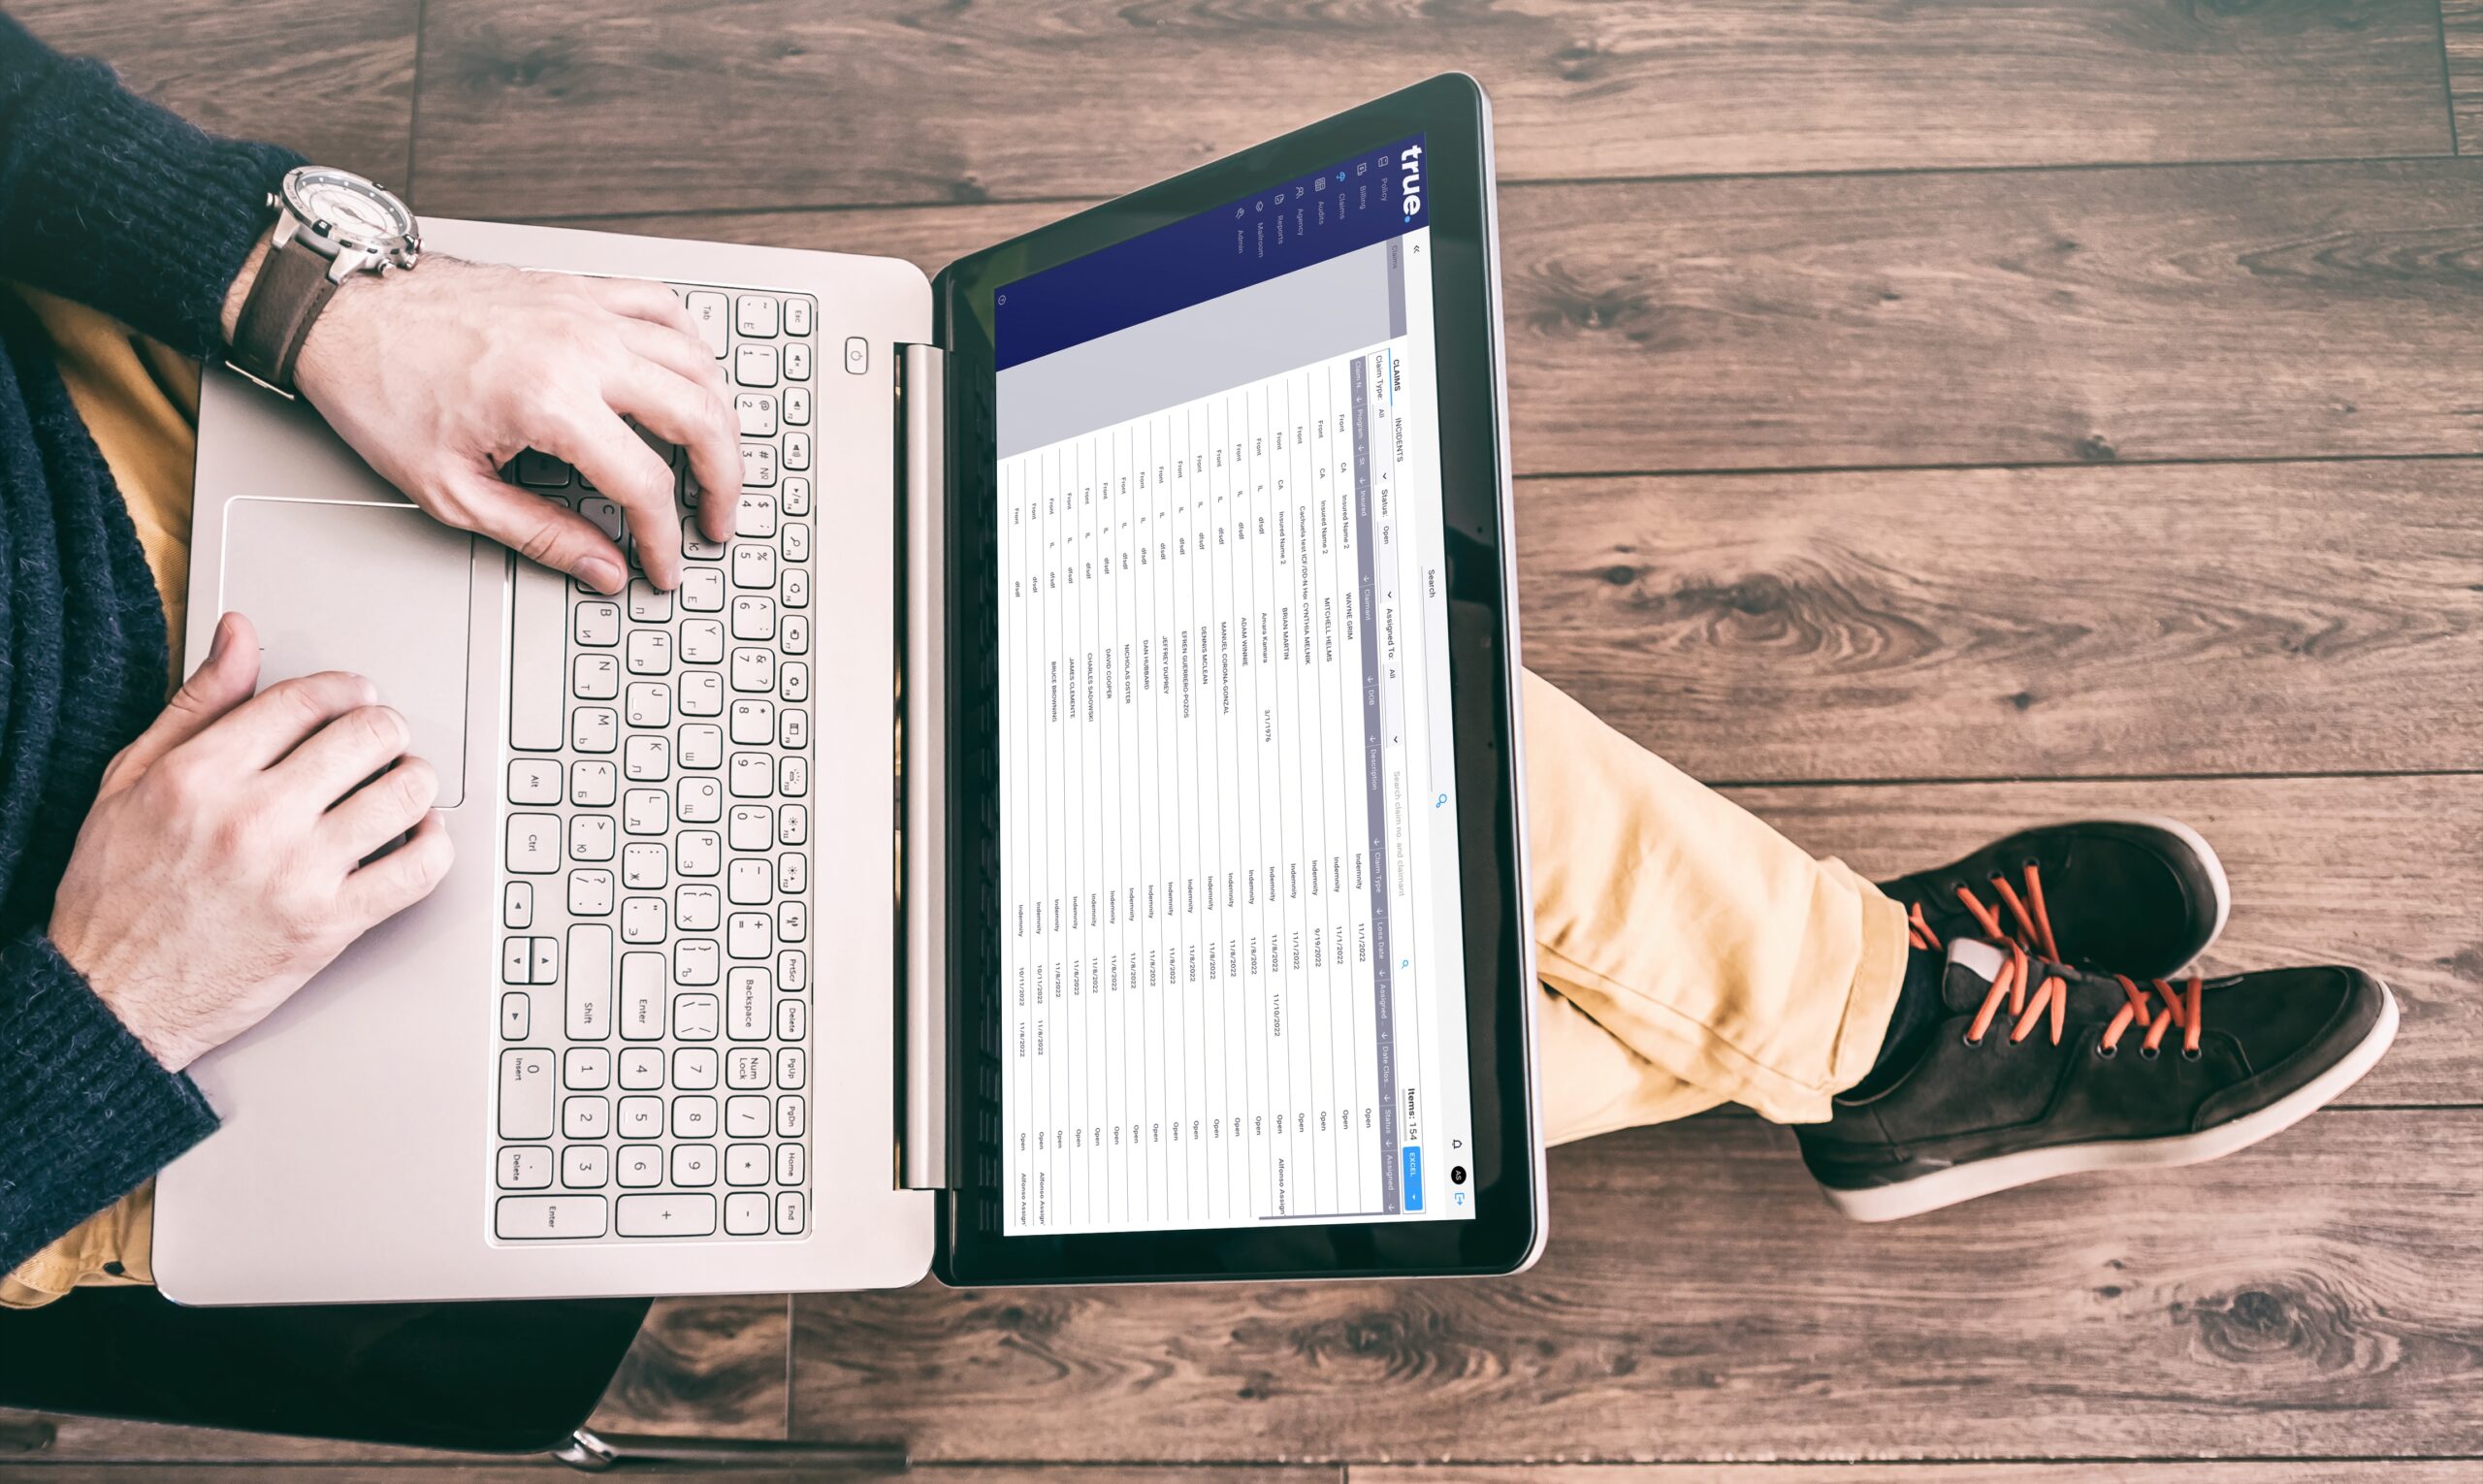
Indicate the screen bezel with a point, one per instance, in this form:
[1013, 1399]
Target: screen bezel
[1505, 1232]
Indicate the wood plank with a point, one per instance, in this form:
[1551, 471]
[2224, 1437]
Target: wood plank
[558, 107]
[1698, 1301]
[2323, 871]
[2073, 317]
[334, 82]
[2159, 619]
[544, 1470]
[708, 1368]
[2254, 1471]
[2462, 33]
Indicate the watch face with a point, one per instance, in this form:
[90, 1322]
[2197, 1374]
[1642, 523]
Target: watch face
[359, 213]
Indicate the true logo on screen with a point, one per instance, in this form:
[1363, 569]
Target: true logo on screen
[1410, 188]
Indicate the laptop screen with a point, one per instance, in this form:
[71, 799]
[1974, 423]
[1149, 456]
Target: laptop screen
[1232, 979]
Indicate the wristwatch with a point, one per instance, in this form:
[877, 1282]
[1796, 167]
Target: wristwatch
[330, 224]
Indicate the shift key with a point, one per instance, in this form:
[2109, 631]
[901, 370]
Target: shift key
[590, 998]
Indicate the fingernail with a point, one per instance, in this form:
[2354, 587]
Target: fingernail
[370, 691]
[215, 645]
[604, 575]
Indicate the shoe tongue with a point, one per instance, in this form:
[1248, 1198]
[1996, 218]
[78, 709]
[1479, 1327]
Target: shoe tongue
[1973, 964]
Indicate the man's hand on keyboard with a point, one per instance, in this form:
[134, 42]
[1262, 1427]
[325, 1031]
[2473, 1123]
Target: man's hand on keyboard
[440, 377]
[239, 845]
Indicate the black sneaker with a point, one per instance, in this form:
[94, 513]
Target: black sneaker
[2141, 896]
[2041, 1070]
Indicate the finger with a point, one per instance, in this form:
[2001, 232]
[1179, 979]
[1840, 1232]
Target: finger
[402, 877]
[640, 299]
[269, 726]
[382, 809]
[543, 531]
[681, 411]
[624, 470]
[223, 680]
[328, 764]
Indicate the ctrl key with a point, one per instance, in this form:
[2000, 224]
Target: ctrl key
[538, 1219]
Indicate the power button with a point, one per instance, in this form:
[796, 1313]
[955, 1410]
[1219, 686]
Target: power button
[857, 355]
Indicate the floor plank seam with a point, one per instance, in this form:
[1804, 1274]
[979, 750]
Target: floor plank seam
[2166, 461]
[2448, 75]
[1985, 780]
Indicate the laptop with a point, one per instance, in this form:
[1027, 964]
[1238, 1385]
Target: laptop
[1071, 832]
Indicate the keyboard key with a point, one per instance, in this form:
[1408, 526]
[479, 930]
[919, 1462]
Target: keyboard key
[607, 516]
[545, 960]
[648, 603]
[788, 1213]
[695, 962]
[693, 1117]
[647, 759]
[797, 588]
[641, 1067]
[753, 723]
[794, 682]
[748, 831]
[702, 744]
[646, 812]
[534, 844]
[745, 1213]
[789, 1116]
[748, 882]
[540, 471]
[754, 669]
[793, 868]
[755, 366]
[792, 824]
[793, 777]
[701, 851]
[790, 1159]
[590, 893]
[756, 411]
[650, 652]
[527, 1087]
[590, 987]
[755, 314]
[694, 1016]
[526, 1167]
[641, 1117]
[701, 694]
[792, 970]
[517, 904]
[793, 731]
[703, 590]
[793, 921]
[793, 635]
[750, 935]
[699, 909]
[792, 1023]
[695, 1068]
[753, 776]
[798, 316]
[542, 1218]
[796, 456]
[747, 1068]
[642, 919]
[642, 993]
[589, 1067]
[745, 1164]
[593, 783]
[797, 542]
[700, 801]
[534, 781]
[758, 465]
[592, 837]
[703, 641]
[586, 1166]
[642, 865]
[789, 1066]
[641, 1165]
[694, 1164]
[793, 496]
[667, 1215]
[517, 961]
[598, 624]
[707, 311]
[696, 546]
[797, 363]
[754, 566]
[586, 1117]
[595, 729]
[753, 617]
[748, 999]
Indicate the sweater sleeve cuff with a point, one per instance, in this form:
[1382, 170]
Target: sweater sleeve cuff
[120, 205]
[85, 1113]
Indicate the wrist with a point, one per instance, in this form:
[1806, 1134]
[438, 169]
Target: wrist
[229, 318]
[171, 1049]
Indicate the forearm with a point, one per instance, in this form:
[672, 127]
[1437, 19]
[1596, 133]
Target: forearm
[86, 1114]
[113, 202]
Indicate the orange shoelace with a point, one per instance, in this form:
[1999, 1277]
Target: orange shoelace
[2181, 1007]
[2033, 925]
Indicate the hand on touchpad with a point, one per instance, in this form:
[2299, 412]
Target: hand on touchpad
[381, 590]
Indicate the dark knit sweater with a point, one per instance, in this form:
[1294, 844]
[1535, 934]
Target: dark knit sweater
[113, 202]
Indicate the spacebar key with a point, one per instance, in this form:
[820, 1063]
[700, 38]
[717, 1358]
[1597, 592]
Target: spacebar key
[668, 1215]
[539, 1219]
[539, 622]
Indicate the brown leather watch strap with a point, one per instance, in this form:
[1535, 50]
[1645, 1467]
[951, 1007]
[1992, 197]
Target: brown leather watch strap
[292, 288]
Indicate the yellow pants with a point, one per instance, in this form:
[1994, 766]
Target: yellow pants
[1691, 955]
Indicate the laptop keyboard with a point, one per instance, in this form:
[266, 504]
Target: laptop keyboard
[655, 962]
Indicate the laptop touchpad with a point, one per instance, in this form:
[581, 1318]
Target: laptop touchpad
[380, 590]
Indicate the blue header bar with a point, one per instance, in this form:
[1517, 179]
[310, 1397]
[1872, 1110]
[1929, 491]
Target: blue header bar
[1349, 206]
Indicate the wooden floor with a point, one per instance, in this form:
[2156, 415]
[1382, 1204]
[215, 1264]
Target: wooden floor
[1934, 417]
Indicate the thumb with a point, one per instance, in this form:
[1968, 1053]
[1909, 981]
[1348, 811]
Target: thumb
[228, 676]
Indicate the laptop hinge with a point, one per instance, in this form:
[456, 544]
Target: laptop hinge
[922, 1009]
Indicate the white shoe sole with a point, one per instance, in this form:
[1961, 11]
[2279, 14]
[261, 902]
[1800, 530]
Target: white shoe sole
[1986, 1177]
